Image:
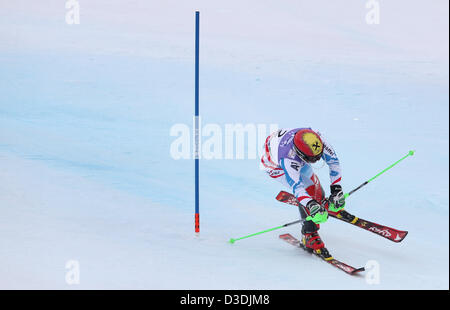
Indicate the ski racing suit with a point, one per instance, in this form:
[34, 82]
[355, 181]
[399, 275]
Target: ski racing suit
[281, 162]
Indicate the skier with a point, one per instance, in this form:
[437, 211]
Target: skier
[287, 157]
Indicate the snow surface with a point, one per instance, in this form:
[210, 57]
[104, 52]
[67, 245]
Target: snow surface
[85, 116]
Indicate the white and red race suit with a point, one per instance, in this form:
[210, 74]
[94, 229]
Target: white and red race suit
[281, 162]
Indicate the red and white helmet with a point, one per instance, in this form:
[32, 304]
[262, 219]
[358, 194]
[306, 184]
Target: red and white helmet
[308, 145]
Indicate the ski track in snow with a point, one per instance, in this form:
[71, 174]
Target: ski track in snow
[85, 116]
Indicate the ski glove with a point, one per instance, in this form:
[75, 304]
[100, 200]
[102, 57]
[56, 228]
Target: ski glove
[317, 213]
[337, 198]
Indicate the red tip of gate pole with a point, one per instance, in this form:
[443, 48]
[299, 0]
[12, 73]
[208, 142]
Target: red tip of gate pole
[197, 223]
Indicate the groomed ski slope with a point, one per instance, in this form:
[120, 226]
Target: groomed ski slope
[85, 118]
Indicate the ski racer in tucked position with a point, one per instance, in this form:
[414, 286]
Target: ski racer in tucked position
[288, 155]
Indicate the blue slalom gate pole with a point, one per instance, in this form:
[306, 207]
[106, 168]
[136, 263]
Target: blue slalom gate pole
[197, 163]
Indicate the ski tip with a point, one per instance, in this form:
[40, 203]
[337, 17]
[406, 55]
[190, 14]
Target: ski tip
[283, 236]
[356, 271]
[400, 236]
[280, 195]
[231, 240]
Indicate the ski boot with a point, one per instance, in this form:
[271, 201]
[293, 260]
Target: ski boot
[313, 244]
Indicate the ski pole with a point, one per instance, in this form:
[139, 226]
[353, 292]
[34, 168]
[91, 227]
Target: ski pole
[232, 240]
[410, 153]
